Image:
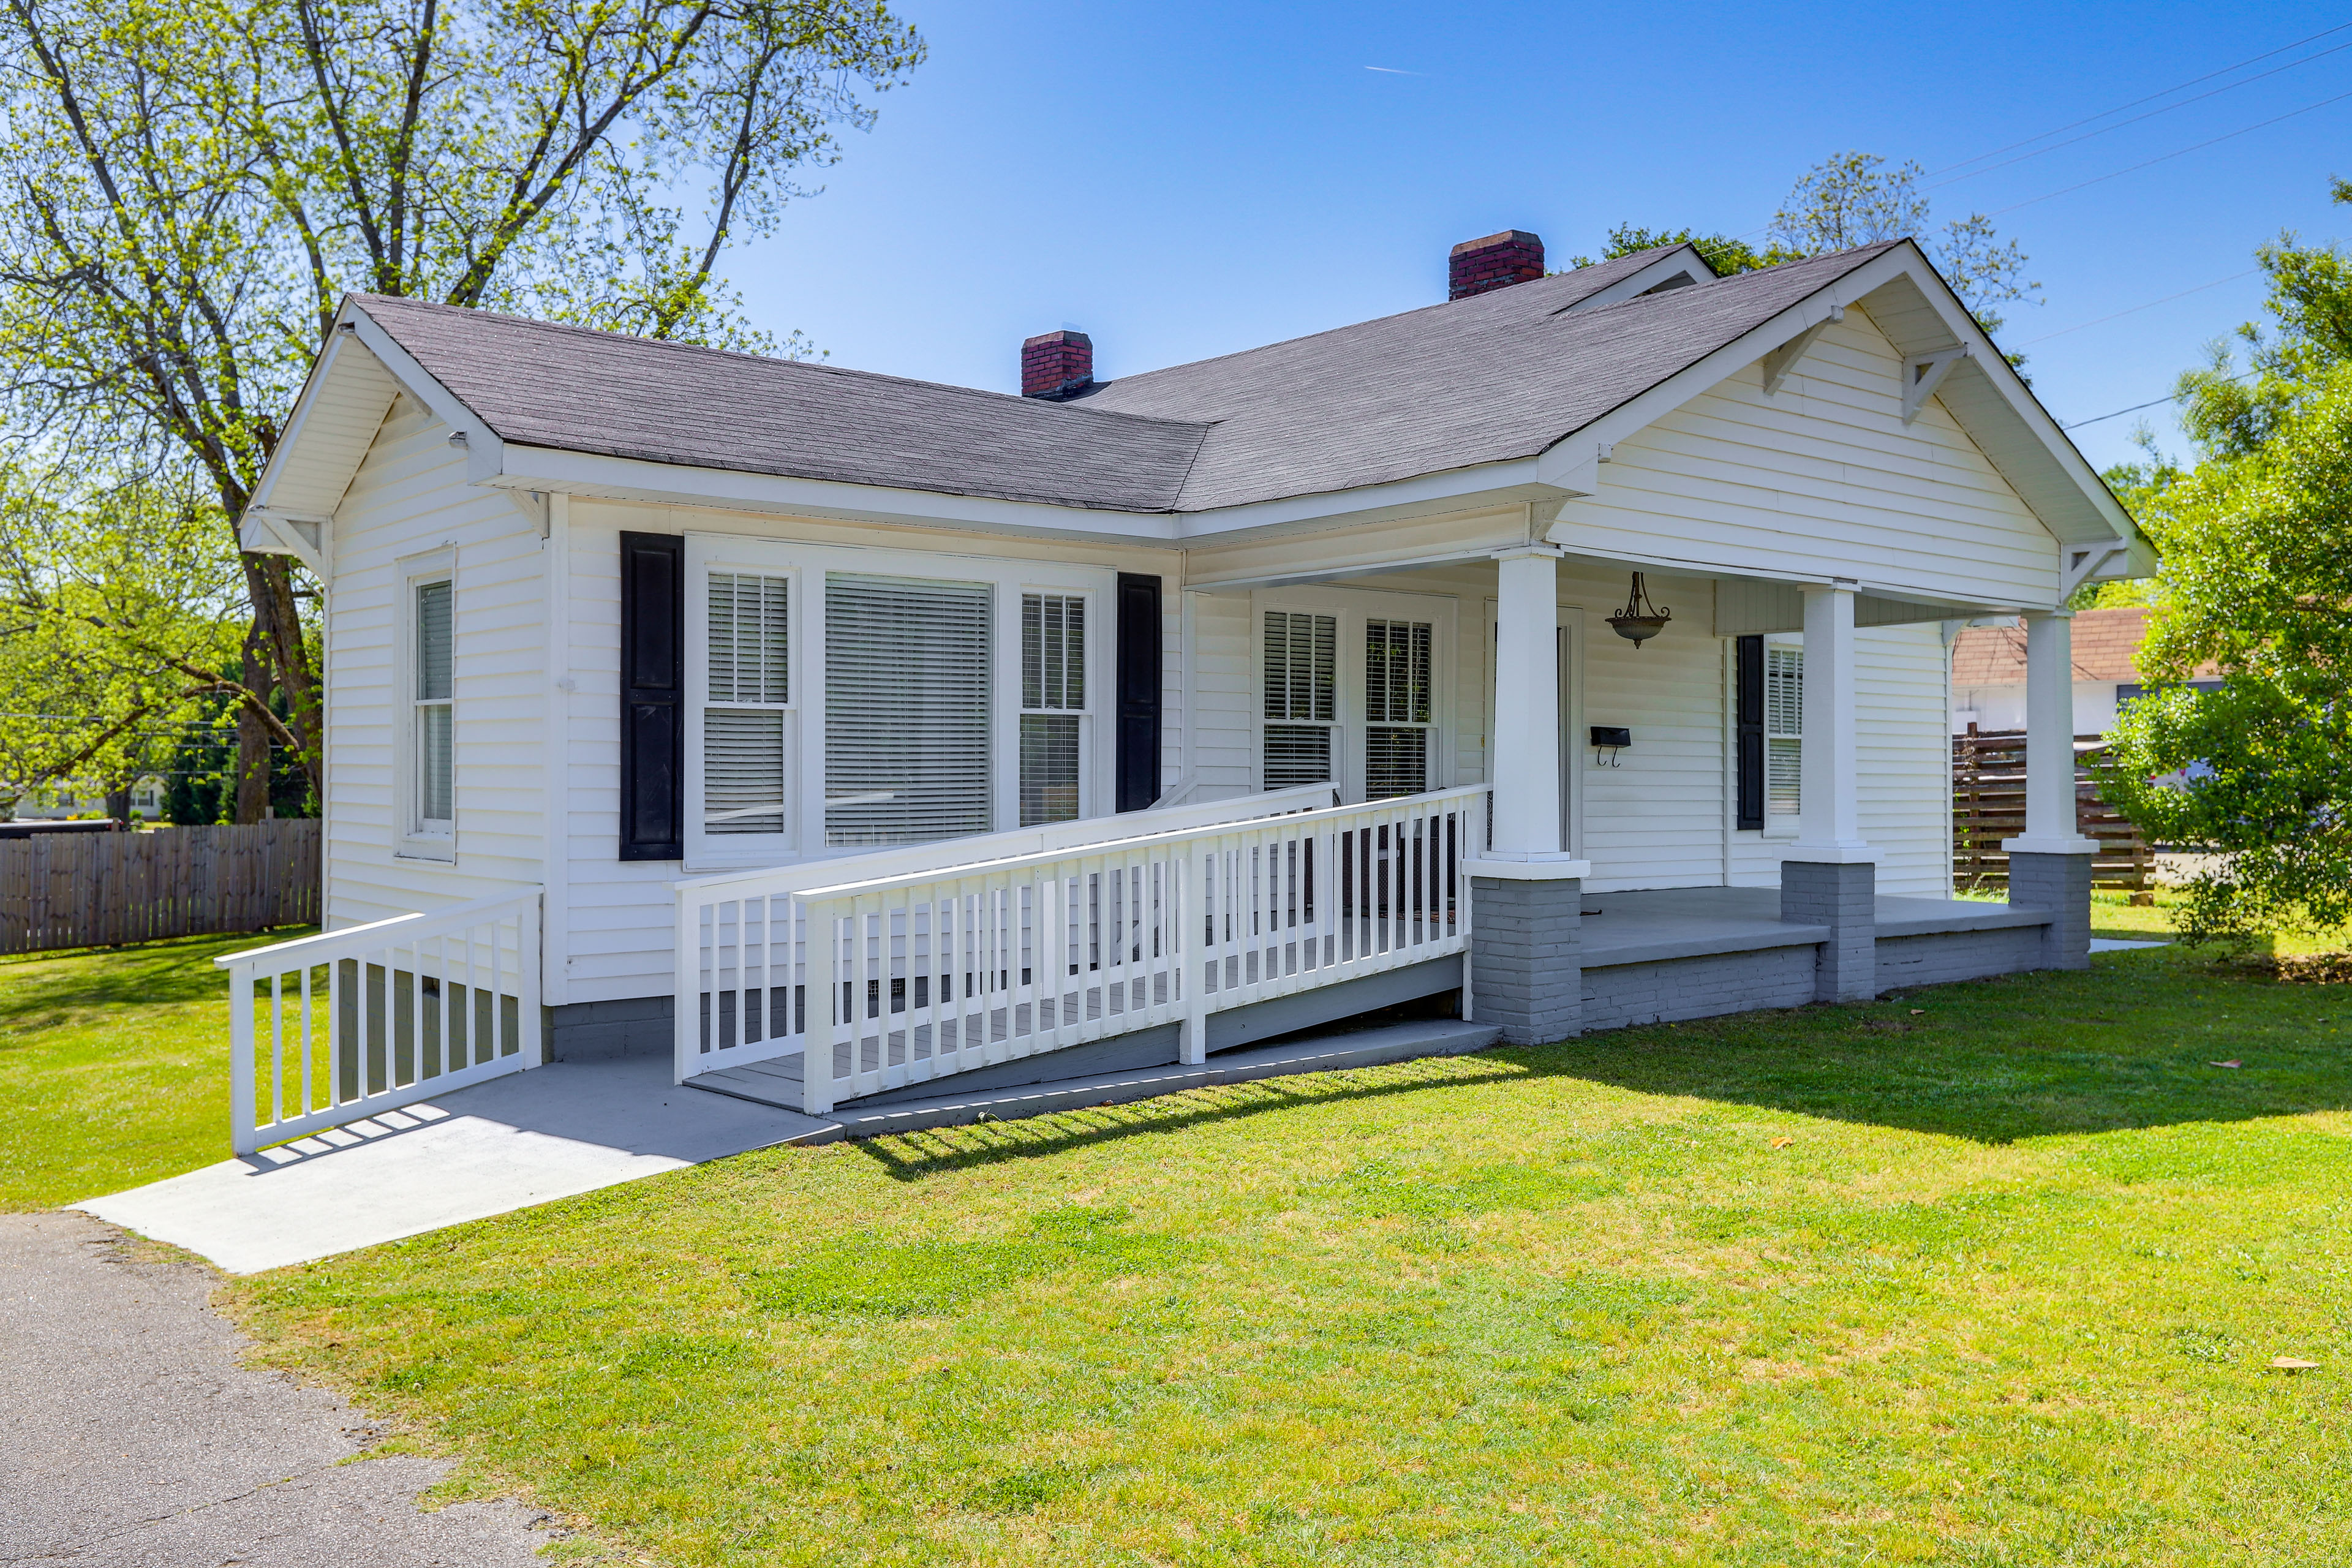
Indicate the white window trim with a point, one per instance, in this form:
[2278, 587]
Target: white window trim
[1093, 607]
[806, 565]
[411, 841]
[1354, 606]
[1781, 828]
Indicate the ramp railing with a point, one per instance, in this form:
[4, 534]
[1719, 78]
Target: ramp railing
[891, 980]
[326, 1029]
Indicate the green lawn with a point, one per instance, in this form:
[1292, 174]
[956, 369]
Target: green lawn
[113, 1066]
[1996, 1281]
[1993, 1281]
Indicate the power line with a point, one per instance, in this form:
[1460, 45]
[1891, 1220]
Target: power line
[2135, 120]
[2136, 408]
[2135, 103]
[2135, 309]
[2168, 157]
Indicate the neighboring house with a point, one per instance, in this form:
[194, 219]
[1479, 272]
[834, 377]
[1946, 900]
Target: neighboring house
[58, 803]
[648, 646]
[1989, 672]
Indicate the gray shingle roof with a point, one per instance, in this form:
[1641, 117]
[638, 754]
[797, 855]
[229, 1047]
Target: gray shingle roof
[1499, 376]
[1493, 377]
[540, 385]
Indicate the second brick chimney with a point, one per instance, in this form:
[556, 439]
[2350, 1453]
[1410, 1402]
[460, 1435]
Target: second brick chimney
[1496, 261]
[1056, 364]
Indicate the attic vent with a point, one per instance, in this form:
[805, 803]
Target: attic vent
[1679, 280]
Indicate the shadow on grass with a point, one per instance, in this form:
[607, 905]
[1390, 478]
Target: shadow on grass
[911, 1156]
[39, 989]
[2131, 1043]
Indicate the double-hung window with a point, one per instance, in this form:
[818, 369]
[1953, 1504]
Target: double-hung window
[430, 743]
[1053, 706]
[1784, 730]
[1302, 698]
[748, 720]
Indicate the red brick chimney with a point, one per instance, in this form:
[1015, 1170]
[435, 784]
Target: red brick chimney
[1496, 261]
[1056, 364]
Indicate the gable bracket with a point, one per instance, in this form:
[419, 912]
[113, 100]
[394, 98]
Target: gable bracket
[1922, 373]
[2084, 560]
[1783, 359]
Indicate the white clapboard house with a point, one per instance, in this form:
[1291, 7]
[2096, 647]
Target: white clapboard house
[1576, 648]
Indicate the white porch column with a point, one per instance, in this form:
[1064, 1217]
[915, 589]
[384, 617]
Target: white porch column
[1523, 971]
[1527, 703]
[1829, 877]
[2050, 865]
[2050, 824]
[1829, 801]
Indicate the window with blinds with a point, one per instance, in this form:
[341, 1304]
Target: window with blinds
[1302, 697]
[1396, 708]
[906, 680]
[1784, 729]
[434, 714]
[746, 717]
[1053, 697]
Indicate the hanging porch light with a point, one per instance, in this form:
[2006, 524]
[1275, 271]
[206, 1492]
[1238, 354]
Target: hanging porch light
[1639, 620]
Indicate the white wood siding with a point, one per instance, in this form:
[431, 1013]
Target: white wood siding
[620, 930]
[411, 495]
[1900, 697]
[1823, 477]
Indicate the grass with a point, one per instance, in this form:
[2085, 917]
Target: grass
[1993, 1281]
[113, 1067]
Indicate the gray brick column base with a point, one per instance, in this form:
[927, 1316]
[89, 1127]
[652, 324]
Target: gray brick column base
[2061, 884]
[1526, 977]
[1844, 898]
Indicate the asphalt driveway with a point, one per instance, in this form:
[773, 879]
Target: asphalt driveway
[130, 1435]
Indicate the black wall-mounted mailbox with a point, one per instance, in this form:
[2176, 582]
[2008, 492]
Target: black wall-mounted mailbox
[1611, 735]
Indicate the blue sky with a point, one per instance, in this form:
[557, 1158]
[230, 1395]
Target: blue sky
[1185, 181]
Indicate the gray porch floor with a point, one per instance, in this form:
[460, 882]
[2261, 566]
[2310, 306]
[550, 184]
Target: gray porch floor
[1650, 924]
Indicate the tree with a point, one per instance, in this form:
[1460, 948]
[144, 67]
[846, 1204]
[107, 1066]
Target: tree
[1854, 199]
[2257, 581]
[2228, 413]
[1726, 254]
[117, 611]
[187, 189]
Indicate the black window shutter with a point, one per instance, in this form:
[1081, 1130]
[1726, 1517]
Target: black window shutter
[1138, 690]
[653, 696]
[1750, 729]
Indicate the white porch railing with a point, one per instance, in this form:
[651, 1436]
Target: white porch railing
[328, 1028]
[900, 978]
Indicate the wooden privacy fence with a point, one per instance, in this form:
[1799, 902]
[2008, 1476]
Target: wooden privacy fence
[1989, 805]
[98, 890]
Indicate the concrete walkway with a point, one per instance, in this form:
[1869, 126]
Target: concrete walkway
[525, 1139]
[130, 1437]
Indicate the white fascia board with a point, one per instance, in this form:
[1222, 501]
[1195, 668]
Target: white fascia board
[1985, 358]
[1511, 483]
[279, 530]
[1693, 566]
[678, 484]
[1573, 460]
[1683, 262]
[599, 476]
[303, 403]
[484, 453]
